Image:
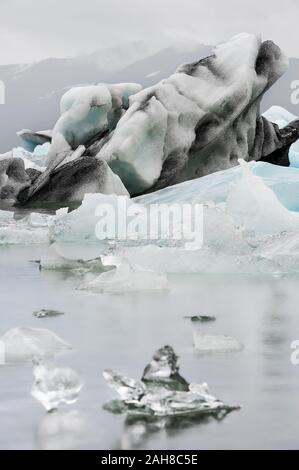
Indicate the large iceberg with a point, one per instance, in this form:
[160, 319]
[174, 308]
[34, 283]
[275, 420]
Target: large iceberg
[201, 119]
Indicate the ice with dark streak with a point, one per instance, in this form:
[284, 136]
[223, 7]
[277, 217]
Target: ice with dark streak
[162, 391]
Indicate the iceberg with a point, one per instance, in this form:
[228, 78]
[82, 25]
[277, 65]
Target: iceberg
[22, 344]
[55, 385]
[252, 203]
[162, 392]
[201, 119]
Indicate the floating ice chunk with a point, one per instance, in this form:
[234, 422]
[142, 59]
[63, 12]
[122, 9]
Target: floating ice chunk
[55, 385]
[200, 318]
[255, 207]
[46, 313]
[124, 278]
[218, 343]
[23, 344]
[161, 392]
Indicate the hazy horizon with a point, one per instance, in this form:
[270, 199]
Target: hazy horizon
[63, 29]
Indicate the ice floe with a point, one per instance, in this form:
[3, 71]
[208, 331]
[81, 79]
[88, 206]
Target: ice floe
[22, 344]
[197, 121]
[161, 392]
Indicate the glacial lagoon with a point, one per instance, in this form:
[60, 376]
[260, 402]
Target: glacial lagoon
[122, 331]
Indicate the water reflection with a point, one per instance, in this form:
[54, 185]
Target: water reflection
[60, 430]
[138, 429]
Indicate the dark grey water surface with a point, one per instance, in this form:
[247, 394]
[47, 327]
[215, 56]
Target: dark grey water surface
[123, 331]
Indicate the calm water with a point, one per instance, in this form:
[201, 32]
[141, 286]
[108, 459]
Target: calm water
[123, 331]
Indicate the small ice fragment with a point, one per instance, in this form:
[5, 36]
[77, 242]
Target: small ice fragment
[55, 385]
[209, 343]
[153, 395]
[200, 318]
[23, 344]
[45, 313]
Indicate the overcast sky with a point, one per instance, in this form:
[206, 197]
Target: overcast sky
[32, 30]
